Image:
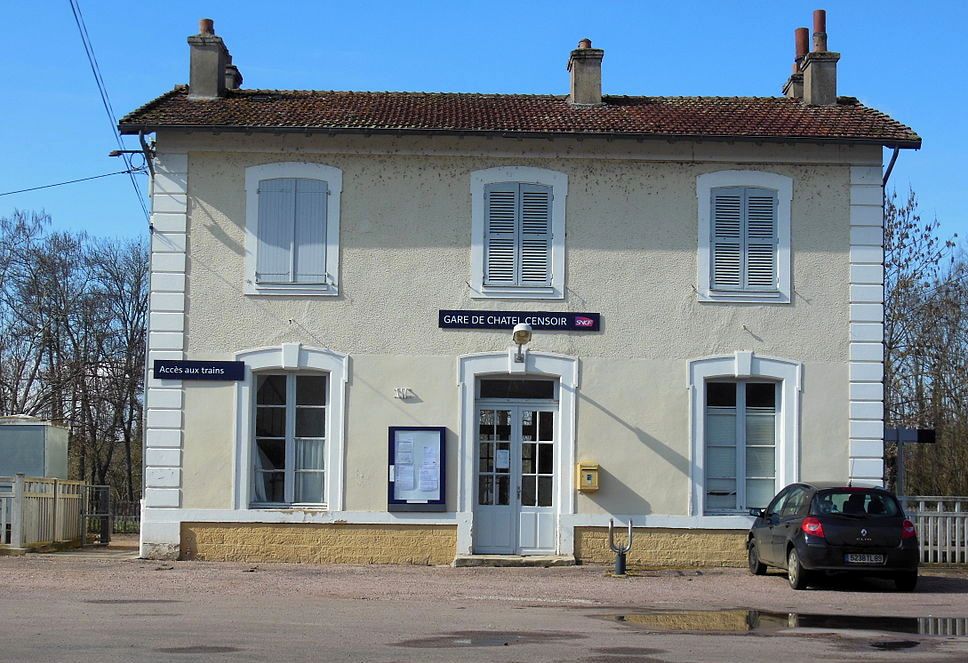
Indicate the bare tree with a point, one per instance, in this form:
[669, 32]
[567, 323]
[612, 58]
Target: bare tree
[926, 345]
[72, 341]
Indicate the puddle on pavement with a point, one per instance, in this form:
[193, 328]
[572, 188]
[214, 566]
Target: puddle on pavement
[744, 621]
[129, 601]
[487, 639]
[198, 649]
[894, 645]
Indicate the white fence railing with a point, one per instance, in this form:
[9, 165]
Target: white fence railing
[6, 517]
[39, 512]
[942, 524]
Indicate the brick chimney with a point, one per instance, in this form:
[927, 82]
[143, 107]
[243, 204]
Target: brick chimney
[233, 77]
[794, 85]
[820, 67]
[585, 66]
[211, 68]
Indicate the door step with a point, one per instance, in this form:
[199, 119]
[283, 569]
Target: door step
[463, 561]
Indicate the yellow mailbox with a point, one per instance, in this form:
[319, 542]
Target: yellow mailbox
[587, 477]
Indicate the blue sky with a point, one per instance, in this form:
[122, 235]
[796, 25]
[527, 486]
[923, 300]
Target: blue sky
[900, 57]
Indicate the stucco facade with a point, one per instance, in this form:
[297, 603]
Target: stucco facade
[405, 252]
[336, 276]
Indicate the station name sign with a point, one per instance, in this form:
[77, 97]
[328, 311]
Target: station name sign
[539, 320]
[169, 369]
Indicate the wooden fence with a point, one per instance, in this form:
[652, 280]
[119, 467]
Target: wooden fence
[6, 515]
[41, 512]
[942, 524]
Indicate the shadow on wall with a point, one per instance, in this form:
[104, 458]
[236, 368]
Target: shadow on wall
[674, 458]
[614, 205]
[616, 497]
[224, 238]
[212, 226]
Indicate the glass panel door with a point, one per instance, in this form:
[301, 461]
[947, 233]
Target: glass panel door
[495, 508]
[536, 521]
[537, 458]
[516, 480]
[494, 461]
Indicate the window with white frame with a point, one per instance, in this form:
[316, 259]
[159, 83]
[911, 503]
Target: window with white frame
[292, 229]
[744, 236]
[518, 242]
[290, 438]
[740, 445]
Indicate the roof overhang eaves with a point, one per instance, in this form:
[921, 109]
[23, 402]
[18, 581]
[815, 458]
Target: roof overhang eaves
[134, 129]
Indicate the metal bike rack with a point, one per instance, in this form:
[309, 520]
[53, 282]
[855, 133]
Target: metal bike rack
[620, 552]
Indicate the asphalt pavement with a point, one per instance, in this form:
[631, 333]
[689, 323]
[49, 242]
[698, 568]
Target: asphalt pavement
[114, 608]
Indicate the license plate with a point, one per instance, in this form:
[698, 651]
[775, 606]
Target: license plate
[864, 558]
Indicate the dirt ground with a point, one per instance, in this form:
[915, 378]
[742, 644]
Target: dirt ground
[112, 607]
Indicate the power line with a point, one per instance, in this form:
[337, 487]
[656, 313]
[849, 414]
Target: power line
[105, 99]
[80, 179]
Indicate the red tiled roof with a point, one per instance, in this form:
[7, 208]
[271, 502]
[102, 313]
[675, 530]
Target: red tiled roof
[754, 118]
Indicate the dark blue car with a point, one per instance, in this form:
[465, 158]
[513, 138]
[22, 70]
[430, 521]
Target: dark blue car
[810, 529]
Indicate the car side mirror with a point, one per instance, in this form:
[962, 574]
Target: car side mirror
[759, 513]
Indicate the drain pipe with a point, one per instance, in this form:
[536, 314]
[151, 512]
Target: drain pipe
[620, 552]
[890, 166]
[899, 476]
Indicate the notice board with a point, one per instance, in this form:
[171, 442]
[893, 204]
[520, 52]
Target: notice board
[417, 468]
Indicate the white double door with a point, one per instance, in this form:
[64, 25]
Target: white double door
[516, 484]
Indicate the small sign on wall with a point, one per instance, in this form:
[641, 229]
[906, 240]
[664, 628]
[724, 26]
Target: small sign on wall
[170, 369]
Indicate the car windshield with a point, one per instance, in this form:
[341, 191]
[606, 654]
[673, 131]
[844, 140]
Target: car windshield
[854, 503]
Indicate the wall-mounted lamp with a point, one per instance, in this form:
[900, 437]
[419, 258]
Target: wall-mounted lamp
[521, 336]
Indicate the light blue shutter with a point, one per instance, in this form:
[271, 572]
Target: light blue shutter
[535, 235]
[727, 238]
[720, 458]
[761, 239]
[310, 231]
[275, 230]
[500, 233]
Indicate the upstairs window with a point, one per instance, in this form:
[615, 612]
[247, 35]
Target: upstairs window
[292, 232]
[292, 229]
[518, 227]
[744, 237]
[517, 242]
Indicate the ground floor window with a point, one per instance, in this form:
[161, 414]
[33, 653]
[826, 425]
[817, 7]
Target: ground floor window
[290, 438]
[740, 445]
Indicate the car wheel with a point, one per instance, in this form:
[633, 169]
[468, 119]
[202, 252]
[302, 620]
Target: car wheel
[906, 582]
[797, 575]
[757, 568]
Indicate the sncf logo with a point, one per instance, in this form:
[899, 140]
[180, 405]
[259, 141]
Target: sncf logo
[582, 321]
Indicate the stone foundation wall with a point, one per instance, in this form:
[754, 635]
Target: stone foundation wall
[319, 544]
[657, 547]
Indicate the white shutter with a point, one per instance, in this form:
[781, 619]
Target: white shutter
[727, 235]
[310, 231]
[535, 235]
[761, 207]
[275, 230]
[744, 239]
[500, 233]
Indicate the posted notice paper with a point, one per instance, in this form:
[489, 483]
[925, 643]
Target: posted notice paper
[428, 479]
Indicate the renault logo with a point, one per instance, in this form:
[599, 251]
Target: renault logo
[863, 532]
